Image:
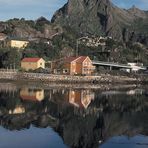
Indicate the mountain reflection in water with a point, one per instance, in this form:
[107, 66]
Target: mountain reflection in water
[82, 118]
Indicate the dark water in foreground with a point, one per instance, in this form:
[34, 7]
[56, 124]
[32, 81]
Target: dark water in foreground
[34, 117]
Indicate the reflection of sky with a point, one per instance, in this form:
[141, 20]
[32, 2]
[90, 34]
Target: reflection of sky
[126, 142]
[31, 138]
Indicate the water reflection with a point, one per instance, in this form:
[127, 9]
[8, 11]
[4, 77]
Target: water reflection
[80, 98]
[19, 109]
[127, 92]
[83, 118]
[32, 94]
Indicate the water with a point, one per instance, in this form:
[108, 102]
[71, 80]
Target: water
[41, 117]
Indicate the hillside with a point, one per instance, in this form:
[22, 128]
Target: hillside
[125, 33]
[21, 28]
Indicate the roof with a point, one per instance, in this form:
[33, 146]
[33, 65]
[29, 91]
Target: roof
[81, 59]
[78, 59]
[70, 59]
[31, 59]
[18, 39]
[30, 98]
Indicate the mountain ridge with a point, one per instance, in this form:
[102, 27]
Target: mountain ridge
[100, 17]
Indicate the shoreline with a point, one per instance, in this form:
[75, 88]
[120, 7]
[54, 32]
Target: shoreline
[68, 79]
[43, 85]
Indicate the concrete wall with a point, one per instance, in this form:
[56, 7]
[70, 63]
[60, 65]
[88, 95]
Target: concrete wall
[19, 76]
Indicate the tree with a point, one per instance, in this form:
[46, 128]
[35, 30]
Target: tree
[13, 58]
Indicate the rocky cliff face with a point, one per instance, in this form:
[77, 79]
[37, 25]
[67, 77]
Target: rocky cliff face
[101, 17]
[20, 28]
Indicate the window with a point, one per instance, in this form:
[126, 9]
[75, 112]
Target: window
[85, 64]
[85, 69]
[40, 64]
[65, 70]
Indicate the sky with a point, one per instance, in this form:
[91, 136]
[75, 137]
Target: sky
[33, 9]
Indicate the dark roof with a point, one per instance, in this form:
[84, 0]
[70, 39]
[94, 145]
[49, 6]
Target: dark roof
[30, 98]
[78, 59]
[81, 59]
[70, 59]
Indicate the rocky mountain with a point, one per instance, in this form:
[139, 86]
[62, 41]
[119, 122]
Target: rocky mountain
[102, 17]
[126, 32]
[21, 28]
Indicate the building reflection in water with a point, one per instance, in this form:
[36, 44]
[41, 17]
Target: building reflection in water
[83, 118]
[17, 110]
[32, 94]
[80, 98]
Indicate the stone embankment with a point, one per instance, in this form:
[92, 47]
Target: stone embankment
[21, 76]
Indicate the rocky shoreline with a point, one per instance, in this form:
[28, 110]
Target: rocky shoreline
[67, 79]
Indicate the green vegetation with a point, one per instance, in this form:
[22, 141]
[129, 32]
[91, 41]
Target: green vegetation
[40, 49]
[134, 53]
[140, 25]
[9, 58]
[64, 44]
[40, 24]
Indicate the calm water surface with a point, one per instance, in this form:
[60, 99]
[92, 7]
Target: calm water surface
[39, 117]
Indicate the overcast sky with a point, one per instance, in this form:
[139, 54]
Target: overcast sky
[33, 9]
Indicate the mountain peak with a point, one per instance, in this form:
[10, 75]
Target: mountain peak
[41, 19]
[97, 17]
[134, 7]
[136, 12]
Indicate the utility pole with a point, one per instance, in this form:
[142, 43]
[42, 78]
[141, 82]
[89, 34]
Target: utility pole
[10, 66]
[77, 44]
[77, 47]
[14, 66]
